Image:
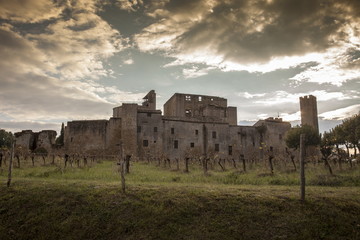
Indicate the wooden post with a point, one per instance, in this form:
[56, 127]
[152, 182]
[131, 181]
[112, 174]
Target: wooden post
[302, 167]
[10, 164]
[122, 173]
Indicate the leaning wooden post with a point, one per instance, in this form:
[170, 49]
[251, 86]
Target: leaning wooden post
[302, 167]
[10, 164]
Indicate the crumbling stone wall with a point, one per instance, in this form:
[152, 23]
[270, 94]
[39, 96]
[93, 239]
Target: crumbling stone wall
[25, 139]
[29, 140]
[46, 139]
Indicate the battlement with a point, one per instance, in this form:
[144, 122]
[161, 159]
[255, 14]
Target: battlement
[308, 97]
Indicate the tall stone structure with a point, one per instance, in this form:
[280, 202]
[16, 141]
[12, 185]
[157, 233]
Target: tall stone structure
[195, 125]
[309, 114]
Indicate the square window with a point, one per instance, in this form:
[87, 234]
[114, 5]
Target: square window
[213, 134]
[145, 143]
[196, 132]
[172, 130]
[192, 145]
[139, 129]
[187, 98]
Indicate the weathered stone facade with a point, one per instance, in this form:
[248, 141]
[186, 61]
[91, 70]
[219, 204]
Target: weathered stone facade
[309, 114]
[194, 125]
[30, 140]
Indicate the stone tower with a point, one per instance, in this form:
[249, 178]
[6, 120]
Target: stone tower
[308, 109]
[150, 100]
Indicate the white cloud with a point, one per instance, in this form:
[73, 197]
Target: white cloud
[195, 72]
[281, 97]
[128, 61]
[76, 47]
[291, 117]
[333, 68]
[341, 113]
[250, 96]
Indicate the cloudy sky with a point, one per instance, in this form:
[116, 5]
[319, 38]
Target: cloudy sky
[63, 60]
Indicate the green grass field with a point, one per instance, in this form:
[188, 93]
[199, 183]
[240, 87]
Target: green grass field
[51, 202]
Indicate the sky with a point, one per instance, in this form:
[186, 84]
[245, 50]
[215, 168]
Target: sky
[65, 60]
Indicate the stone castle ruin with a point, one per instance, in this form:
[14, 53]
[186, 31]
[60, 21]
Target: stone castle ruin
[29, 140]
[191, 126]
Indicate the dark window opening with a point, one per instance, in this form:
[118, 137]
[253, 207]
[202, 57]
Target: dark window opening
[145, 143]
[71, 139]
[172, 130]
[196, 132]
[280, 137]
[192, 145]
[217, 147]
[214, 134]
[139, 129]
[176, 144]
[149, 114]
[154, 141]
[230, 150]
[155, 129]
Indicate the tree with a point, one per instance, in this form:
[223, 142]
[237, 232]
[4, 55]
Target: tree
[60, 139]
[352, 130]
[339, 137]
[6, 138]
[312, 138]
[326, 148]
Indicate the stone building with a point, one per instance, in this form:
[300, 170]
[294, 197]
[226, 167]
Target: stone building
[195, 125]
[309, 114]
[30, 140]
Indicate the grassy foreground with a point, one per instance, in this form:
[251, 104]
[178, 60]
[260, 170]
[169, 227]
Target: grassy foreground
[46, 203]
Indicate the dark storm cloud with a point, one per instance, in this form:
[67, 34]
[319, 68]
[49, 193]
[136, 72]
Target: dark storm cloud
[257, 31]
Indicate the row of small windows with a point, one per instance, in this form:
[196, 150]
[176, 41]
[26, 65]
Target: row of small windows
[188, 98]
[192, 145]
[172, 131]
